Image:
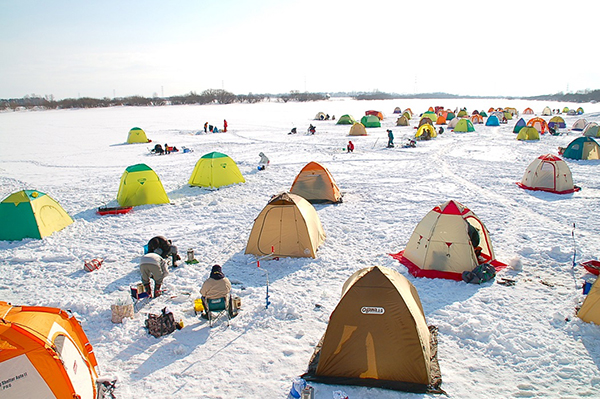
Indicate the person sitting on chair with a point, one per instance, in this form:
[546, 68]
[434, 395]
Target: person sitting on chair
[216, 286]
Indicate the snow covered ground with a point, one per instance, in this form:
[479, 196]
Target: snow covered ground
[495, 341]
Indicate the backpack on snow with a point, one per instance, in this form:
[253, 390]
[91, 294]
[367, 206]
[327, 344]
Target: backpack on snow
[481, 274]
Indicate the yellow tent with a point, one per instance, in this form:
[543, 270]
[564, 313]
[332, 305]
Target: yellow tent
[426, 128]
[288, 226]
[528, 133]
[140, 185]
[44, 353]
[137, 135]
[215, 170]
[315, 184]
[378, 336]
[358, 129]
[590, 310]
[30, 213]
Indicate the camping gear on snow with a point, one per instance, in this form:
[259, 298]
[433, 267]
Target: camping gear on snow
[481, 274]
[528, 133]
[449, 240]
[582, 148]
[139, 291]
[579, 125]
[402, 121]
[426, 132]
[377, 336]
[307, 393]
[288, 226]
[539, 124]
[548, 173]
[357, 129]
[162, 324]
[122, 308]
[378, 114]
[590, 309]
[316, 185]
[546, 111]
[44, 353]
[214, 308]
[140, 185]
[214, 170]
[298, 384]
[190, 257]
[592, 266]
[463, 125]
[137, 135]
[527, 111]
[592, 129]
[557, 122]
[115, 210]
[519, 125]
[492, 120]
[92, 264]
[346, 119]
[31, 214]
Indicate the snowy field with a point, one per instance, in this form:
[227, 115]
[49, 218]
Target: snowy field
[495, 341]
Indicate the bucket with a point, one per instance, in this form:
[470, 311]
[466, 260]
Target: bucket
[587, 285]
[198, 305]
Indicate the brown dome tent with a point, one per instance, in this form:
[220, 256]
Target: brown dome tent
[315, 184]
[377, 336]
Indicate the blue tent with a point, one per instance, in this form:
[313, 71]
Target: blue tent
[519, 125]
[582, 148]
[492, 120]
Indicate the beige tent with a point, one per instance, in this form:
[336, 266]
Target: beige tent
[402, 121]
[378, 336]
[444, 244]
[315, 184]
[548, 173]
[453, 122]
[358, 129]
[590, 310]
[288, 226]
[592, 129]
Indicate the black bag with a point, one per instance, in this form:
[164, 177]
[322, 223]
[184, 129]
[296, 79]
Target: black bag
[481, 274]
[162, 324]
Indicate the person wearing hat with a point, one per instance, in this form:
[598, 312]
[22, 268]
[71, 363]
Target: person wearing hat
[216, 286]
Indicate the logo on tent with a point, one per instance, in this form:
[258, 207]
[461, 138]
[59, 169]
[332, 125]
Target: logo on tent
[372, 310]
[142, 180]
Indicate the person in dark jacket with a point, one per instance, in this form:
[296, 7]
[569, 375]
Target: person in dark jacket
[390, 138]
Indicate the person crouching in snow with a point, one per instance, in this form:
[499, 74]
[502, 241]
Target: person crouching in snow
[216, 286]
[152, 265]
[350, 147]
[264, 161]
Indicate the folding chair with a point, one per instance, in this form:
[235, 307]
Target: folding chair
[215, 308]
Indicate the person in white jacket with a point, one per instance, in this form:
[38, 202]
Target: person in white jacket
[152, 265]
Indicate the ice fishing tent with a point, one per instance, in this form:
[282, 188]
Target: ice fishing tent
[476, 118]
[346, 120]
[464, 125]
[425, 121]
[315, 184]
[453, 122]
[426, 128]
[582, 148]
[528, 111]
[44, 353]
[137, 135]
[548, 173]
[579, 125]
[320, 116]
[443, 244]
[565, 110]
[288, 226]
[402, 121]
[579, 111]
[370, 121]
[215, 170]
[429, 114]
[378, 114]
[546, 111]
[592, 130]
[492, 120]
[140, 185]
[528, 133]
[397, 110]
[519, 125]
[31, 214]
[462, 113]
[557, 122]
[590, 309]
[441, 120]
[377, 336]
[539, 124]
[358, 129]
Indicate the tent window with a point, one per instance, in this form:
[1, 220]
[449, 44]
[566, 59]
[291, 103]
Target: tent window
[547, 167]
[5, 345]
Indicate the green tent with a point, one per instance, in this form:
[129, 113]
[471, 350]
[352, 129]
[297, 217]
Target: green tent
[346, 120]
[582, 148]
[31, 214]
[464, 125]
[370, 121]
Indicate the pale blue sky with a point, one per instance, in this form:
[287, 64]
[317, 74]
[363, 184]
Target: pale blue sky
[105, 48]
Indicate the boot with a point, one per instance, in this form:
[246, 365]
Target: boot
[157, 290]
[148, 289]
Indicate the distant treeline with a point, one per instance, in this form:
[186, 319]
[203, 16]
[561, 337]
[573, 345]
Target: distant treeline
[206, 97]
[216, 96]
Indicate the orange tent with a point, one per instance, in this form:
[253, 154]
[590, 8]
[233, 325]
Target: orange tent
[441, 120]
[376, 113]
[477, 118]
[315, 184]
[44, 353]
[528, 111]
[539, 124]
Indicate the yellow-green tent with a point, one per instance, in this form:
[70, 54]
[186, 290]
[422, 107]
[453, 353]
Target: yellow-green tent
[215, 170]
[426, 128]
[137, 135]
[31, 214]
[528, 133]
[140, 185]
